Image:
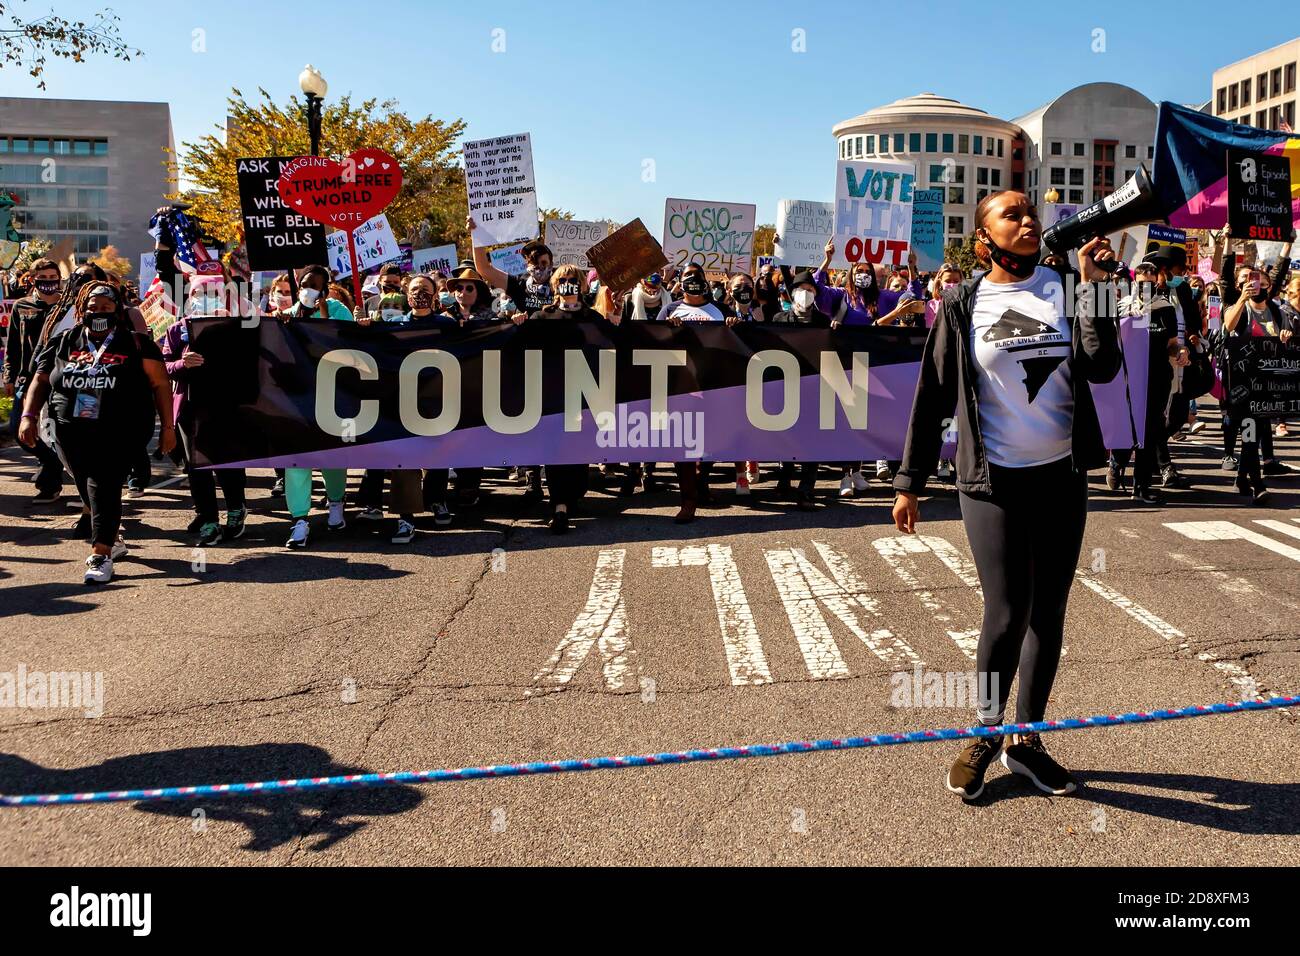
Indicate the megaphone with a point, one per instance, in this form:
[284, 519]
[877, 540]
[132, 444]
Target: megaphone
[1133, 203]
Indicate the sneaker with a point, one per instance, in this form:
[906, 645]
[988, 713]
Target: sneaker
[235, 524]
[1170, 478]
[859, 482]
[133, 490]
[194, 526]
[278, 488]
[751, 472]
[209, 534]
[559, 522]
[742, 486]
[1178, 436]
[806, 502]
[685, 515]
[336, 520]
[119, 549]
[1260, 496]
[882, 470]
[298, 534]
[966, 775]
[1229, 463]
[99, 569]
[846, 487]
[1196, 428]
[47, 497]
[1026, 756]
[1148, 496]
[441, 515]
[1114, 476]
[1275, 467]
[405, 532]
[1280, 430]
[371, 514]
[945, 469]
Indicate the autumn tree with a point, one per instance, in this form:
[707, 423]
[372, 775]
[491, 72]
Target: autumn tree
[763, 239]
[962, 255]
[112, 261]
[430, 207]
[26, 44]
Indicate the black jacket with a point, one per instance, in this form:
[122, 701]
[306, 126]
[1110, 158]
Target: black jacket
[947, 380]
[25, 324]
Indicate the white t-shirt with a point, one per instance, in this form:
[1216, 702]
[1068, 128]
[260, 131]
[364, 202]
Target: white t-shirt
[1020, 340]
[708, 312]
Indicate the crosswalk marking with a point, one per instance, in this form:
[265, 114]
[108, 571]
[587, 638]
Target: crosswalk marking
[1228, 531]
[803, 586]
[601, 623]
[1280, 526]
[899, 553]
[745, 658]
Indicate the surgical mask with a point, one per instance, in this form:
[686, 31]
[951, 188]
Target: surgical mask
[1176, 281]
[204, 305]
[695, 284]
[309, 297]
[1020, 266]
[568, 288]
[744, 295]
[949, 285]
[446, 298]
[804, 298]
[539, 273]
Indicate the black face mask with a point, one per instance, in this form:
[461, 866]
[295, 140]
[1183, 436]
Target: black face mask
[568, 288]
[48, 286]
[98, 321]
[695, 284]
[1260, 297]
[744, 295]
[1022, 267]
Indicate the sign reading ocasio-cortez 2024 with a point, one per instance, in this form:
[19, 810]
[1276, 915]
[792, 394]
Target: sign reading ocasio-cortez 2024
[1259, 195]
[873, 212]
[278, 238]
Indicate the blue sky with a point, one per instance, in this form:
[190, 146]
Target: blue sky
[711, 92]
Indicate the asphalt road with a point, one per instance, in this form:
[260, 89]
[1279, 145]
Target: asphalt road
[494, 641]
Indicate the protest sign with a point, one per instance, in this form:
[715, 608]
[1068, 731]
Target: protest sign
[761, 261]
[1213, 312]
[873, 212]
[375, 245]
[501, 189]
[509, 260]
[626, 256]
[345, 195]
[569, 240]
[1159, 237]
[1050, 213]
[1259, 195]
[278, 238]
[927, 228]
[438, 259]
[1262, 378]
[1205, 269]
[717, 235]
[803, 227]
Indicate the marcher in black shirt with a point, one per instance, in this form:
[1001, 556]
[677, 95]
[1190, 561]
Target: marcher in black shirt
[25, 324]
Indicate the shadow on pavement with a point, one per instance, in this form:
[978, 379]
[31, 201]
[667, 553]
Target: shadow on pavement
[272, 821]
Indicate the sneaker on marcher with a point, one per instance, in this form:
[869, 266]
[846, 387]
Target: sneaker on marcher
[119, 549]
[752, 472]
[1196, 427]
[133, 490]
[99, 569]
[235, 524]
[882, 470]
[46, 497]
[859, 481]
[966, 775]
[209, 534]
[298, 534]
[405, 532]
[277, 489]
[945, 469]
[336, 520]
[742, 486]
[1026, 756]
[371, 514]
[441, 514]
[846, 487]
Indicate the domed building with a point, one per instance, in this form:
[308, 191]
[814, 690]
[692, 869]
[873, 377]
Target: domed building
[954, 146]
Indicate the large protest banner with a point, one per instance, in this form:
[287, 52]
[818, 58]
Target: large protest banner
[438, 259]
[324, 394]
[802, 227]
[501, 189]
[277, 237]
[717, 235]
[569, 240]
[873, 212]
[376, 245]
[927, 228]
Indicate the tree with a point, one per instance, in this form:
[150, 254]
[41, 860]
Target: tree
[110, 260]
[433, 183]
[27, 43]
[962, 255]
[763, 240]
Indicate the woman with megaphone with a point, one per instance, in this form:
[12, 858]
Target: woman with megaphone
[1016, 362]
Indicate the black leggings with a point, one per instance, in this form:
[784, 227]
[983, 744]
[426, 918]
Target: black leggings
[1025, 538]
[99, 465]
[204, 481]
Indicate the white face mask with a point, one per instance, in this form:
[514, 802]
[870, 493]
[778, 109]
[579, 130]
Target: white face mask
[804, 298]
[309, 297]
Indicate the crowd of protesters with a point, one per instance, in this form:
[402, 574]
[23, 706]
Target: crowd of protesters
[90, 378]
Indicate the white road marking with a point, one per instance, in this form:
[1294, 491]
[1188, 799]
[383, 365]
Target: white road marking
[1280, 526]
[602, 623]
[745, 658]
[1236, 674]
[1228, 531]
[166, 483]
[802, 585]
[898, 552]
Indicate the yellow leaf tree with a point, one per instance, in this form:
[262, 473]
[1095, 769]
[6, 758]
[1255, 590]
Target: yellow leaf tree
[432, 202]
[110, 260]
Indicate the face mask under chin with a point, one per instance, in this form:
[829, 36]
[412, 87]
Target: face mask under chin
[1017, 264]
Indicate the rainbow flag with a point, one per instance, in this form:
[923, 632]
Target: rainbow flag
[1191, 164]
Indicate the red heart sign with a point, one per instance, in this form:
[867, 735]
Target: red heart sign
[343, 195]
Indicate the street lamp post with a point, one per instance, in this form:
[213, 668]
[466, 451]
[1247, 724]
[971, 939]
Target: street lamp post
[314, 87]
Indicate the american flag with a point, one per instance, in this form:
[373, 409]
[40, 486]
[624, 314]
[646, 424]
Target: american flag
[179, 231]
